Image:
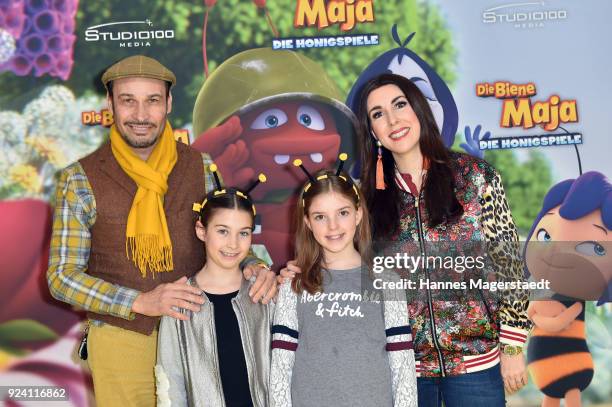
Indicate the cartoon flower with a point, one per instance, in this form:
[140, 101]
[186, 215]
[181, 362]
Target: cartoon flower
[48, 149]
[13, 129]
[26, 176]
[7, 46]
[47, 135]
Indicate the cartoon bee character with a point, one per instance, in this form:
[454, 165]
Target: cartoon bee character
[570, 245]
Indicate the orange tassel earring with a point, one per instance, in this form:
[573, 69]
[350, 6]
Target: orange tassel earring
[380, 174]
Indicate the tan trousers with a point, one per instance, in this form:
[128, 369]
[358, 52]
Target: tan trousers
[122, 364]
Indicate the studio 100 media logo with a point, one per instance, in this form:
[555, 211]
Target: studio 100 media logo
[534, 14]
[128, 34]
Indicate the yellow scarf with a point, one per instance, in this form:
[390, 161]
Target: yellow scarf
[147, 237]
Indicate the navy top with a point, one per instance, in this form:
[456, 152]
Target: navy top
[232, 366]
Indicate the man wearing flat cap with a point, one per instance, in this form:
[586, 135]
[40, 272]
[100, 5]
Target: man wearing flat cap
[123, 236]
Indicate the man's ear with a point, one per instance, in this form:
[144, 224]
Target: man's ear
[200, 231]
[109, 103]
[169, 103]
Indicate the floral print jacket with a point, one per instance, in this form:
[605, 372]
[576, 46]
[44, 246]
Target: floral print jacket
[460, 332]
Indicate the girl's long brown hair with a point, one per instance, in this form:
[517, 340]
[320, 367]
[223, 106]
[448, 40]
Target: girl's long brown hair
[309, 253]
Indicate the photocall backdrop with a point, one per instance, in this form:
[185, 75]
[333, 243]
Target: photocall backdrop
[522, 84]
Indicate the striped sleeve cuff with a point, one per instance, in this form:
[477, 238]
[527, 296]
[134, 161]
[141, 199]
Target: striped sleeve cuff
[122, 303]
[418, 366]
[399, 338]
[512, 336]
[284, 337]
[476, 363]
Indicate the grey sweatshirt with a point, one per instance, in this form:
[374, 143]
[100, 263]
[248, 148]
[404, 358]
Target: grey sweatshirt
[331, 348]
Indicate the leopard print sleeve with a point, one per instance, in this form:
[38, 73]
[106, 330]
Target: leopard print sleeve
[504, 250]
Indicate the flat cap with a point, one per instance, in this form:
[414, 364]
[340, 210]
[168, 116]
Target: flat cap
[138, 66]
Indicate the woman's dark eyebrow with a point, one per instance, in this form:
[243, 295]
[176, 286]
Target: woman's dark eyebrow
[393, 101]
[374, 108]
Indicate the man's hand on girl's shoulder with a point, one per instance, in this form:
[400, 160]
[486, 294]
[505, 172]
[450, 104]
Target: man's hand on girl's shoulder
[265, 287]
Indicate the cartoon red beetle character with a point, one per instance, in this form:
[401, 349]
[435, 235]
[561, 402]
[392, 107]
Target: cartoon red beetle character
[257, 112]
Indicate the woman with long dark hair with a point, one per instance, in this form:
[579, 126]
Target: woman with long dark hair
[420, 192]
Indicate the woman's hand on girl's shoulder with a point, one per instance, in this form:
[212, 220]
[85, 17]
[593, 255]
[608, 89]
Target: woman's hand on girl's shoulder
[288, 272]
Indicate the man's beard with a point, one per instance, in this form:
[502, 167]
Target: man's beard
[141, 143]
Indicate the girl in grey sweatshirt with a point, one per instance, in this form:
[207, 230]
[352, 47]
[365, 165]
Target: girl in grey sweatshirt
[336, 342]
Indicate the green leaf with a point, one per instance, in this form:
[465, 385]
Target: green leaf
[25, 330]
[11, 350]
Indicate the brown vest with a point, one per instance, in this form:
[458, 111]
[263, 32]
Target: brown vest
[114, 191]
